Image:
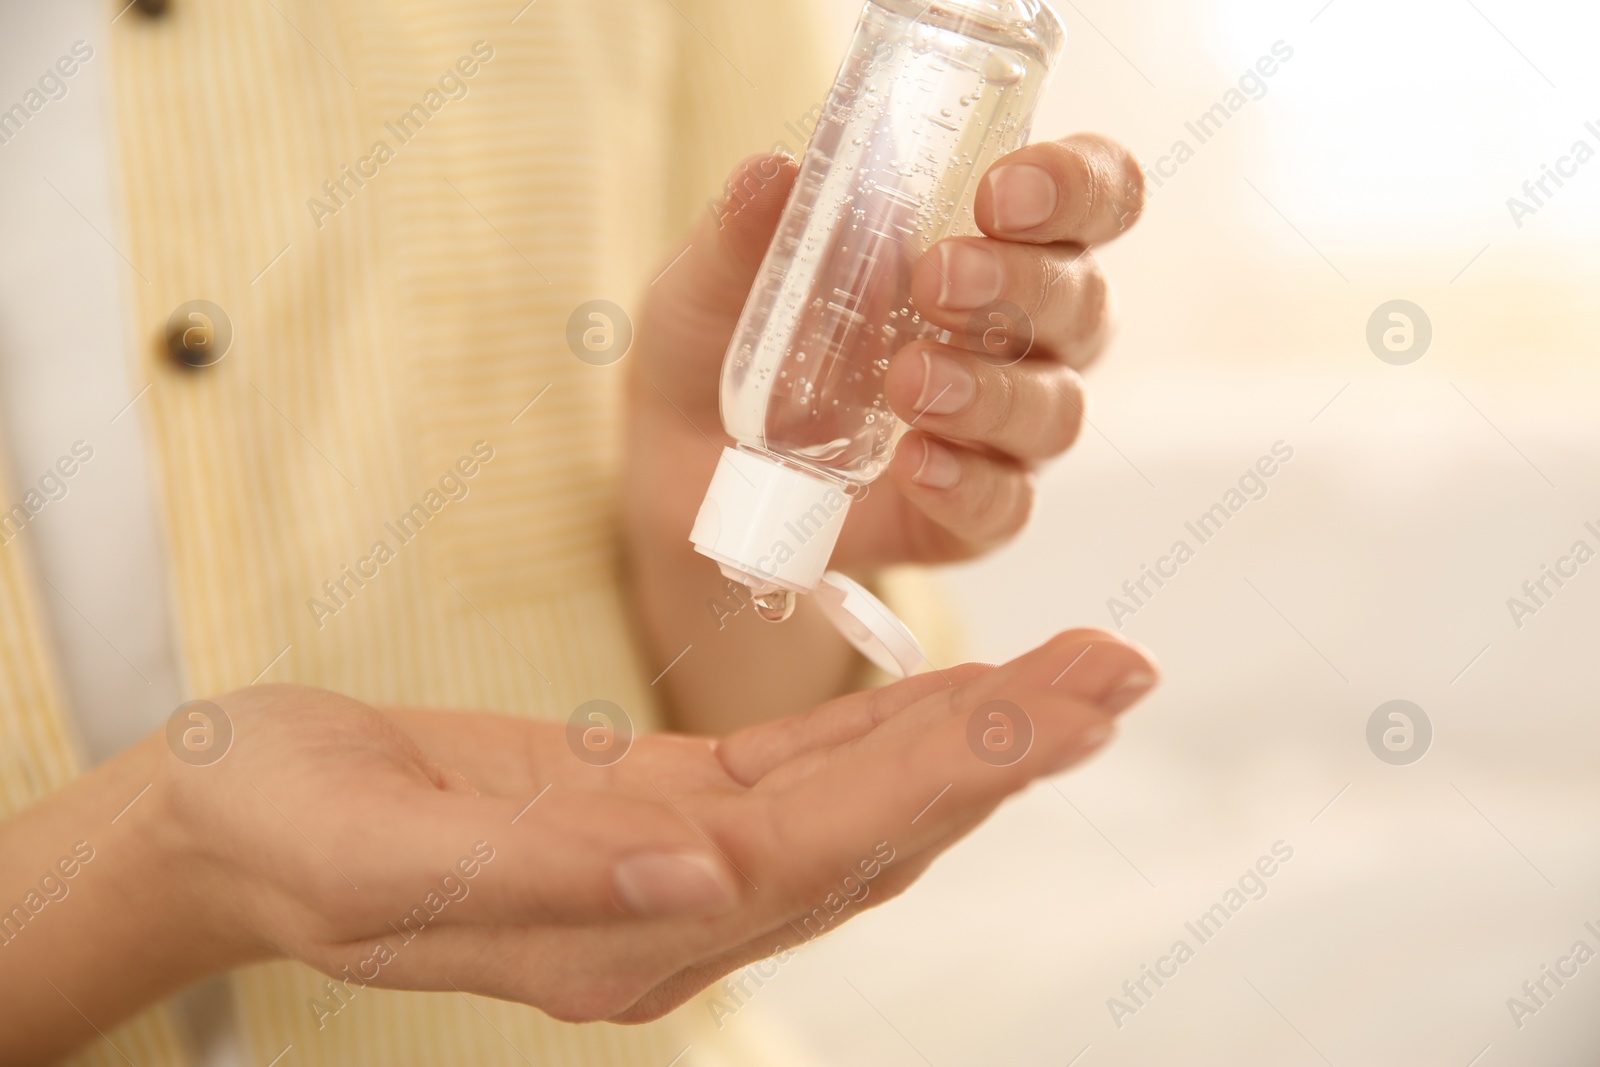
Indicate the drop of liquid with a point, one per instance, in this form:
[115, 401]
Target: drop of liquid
[775, 606]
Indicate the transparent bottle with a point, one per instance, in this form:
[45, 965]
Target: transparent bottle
[928, 97]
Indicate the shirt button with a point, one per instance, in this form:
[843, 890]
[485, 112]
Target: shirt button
[199, 334]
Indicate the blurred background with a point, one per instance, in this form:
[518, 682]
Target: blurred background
[1378, 567]
[1425, 884]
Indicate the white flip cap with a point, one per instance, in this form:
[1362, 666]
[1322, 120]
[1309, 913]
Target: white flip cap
[773, 526]
[773, 523]
[868, 624]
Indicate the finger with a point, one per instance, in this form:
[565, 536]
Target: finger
[1085, 189]
[918, 776]
[753, 752]
[1030, 410]
[964, 283]
[1100, 670]
[1087, 666]
[968, 500]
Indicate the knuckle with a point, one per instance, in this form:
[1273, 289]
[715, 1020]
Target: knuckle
[1000, 503]
[1121, 180]
[984, 493]
[1067, 422]
[1132, 190]
[998, 401]
[1046, 276]
[1093, 303]
[1021, 494]
[1075, 174]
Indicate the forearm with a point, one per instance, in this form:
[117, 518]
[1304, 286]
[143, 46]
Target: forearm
[97, 907]
[738, 668]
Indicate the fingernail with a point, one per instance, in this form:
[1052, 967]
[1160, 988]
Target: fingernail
[1095, 736]
[947, 386]
[1128, 692]
[940, 468]
[971, 276]
[1022, 195]
[652, 884]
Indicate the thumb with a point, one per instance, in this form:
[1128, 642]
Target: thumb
[692, 307]
[728, 242]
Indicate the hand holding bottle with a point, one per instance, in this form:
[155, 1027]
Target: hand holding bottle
[962, 478]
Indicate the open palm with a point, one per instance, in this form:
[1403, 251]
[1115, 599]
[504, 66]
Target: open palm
[335, 819]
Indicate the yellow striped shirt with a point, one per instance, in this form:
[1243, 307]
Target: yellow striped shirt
[392, 307]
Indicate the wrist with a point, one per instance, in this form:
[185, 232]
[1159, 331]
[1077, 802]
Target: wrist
[103, 895]
[192, 897]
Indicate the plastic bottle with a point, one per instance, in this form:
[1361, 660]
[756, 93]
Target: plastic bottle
[928, 97]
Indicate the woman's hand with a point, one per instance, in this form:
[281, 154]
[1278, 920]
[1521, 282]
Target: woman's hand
[962, 479]
[453, 850]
